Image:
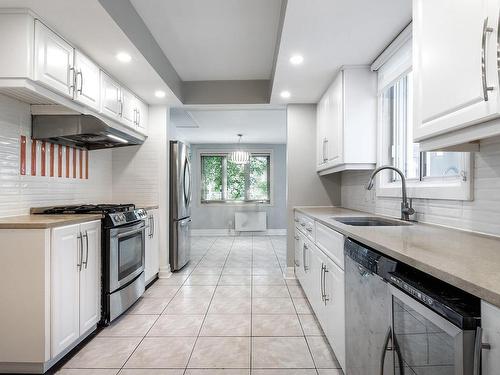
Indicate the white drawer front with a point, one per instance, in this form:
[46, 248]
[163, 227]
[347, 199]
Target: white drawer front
[331, 243]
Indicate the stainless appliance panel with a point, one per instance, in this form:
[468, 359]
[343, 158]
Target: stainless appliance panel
[428, 343]
[368, 322]
[180, 245]
[180, 181]
[122, 299]
[126, 254]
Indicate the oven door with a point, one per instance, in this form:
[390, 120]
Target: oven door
[426, 343]
[126, 254]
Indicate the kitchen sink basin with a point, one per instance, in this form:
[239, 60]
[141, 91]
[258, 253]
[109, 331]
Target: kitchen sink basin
[369, 221]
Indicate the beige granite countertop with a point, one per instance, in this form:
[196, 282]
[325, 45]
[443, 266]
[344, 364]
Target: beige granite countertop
[152, 207]
[45, 221]
[467, 260]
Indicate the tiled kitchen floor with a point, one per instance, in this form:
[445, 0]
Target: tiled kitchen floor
[228, 312]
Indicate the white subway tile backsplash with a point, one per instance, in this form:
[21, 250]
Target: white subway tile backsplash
[480, 215]
[19, 193]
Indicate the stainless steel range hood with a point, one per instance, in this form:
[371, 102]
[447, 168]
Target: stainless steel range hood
[81, 130]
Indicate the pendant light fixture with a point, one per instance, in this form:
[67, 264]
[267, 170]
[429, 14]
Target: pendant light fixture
[239, 156]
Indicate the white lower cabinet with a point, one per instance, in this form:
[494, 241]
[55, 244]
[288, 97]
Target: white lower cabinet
[490, 323]
[152, 246]
[319, 267]
[75, 283]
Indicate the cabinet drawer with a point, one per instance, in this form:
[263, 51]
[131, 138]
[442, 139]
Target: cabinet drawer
[305, 225]
[331, 243]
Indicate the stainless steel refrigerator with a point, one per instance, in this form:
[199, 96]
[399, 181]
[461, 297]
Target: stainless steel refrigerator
[180, 205]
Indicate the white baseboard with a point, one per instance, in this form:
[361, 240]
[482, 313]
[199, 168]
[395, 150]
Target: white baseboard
[165, 272]
[232, 232]
[289, 273]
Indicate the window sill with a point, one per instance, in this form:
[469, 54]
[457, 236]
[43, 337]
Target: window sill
[233, 204]
[455, 189]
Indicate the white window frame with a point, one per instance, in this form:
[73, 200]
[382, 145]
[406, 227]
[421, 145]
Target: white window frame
[446, 188]
[224, 152]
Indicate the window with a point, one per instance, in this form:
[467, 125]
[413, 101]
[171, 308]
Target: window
[224, 181]
[427, 173]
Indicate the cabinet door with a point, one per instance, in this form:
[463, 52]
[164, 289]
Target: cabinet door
[450, 80]
[297, 250]
[335, 122]
[490, 322]
[333, 287]
[129, 111]
[142, 117]
[314, 282]
[53, 60]
[152, 251]
[155, 237]
[90, 276]
[111, 104]
[320, 130]
[87, 83]
[64, 279]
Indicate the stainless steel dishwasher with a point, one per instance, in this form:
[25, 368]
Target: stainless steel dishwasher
[368, 311]
[401, 321]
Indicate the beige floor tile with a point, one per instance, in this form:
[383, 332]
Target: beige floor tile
[292, 282]
[161, 291]
[177, 325]
[302, 306]
[284, 372]
[207, 271]
[226, 325]
[148, 306]
[142, 371]
[276, 325]
[129, 325]
[322, 353]
[93, 371]
[217, 371]
[330, 371]
[187, 306]
[245, 271]
[272, 306]
[233, 291]
[296, 291]
[235, 280]
[270, 291]
[104, 352]
[221, 352]
[172, 280]
[267, 271]
[196, 291]
[310, 325]
[230, 305]
[268, 280]
[280, 352]
[202, 280]
[162, 352]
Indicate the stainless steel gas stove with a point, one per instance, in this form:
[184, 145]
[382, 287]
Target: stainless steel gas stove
[123, 241]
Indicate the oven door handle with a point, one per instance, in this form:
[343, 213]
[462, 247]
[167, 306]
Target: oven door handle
[134, 231]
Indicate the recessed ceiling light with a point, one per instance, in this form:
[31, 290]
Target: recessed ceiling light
[160, 94]
[296, 59]
[285, 94]
[123, 57]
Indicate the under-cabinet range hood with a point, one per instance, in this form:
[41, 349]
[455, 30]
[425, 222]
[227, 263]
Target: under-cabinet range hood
[80, 130]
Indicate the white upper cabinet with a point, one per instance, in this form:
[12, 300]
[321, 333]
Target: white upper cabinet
[455, 66]
[129, 108]
[87, 81]
[111, 97]
[142, 116]
[346, 122]
[53, 60]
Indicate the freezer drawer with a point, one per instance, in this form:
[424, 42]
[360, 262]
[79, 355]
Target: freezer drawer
[180, 243]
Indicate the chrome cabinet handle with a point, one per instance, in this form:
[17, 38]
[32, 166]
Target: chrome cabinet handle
[79, 90]
[384, 349]
[478, 347]
[304, 248]
[325, 149]
[303, 224]
[486, 30]
[79, 264]
[153, 223]
[325, 297]
[309, 229]
[321, 282]
[87, 249]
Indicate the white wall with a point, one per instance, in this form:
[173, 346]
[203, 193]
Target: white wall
[480, 215]
[305, 186]
[19, 193]
[217, 216]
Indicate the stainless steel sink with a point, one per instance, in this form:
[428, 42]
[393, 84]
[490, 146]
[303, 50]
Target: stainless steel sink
[369, 221]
